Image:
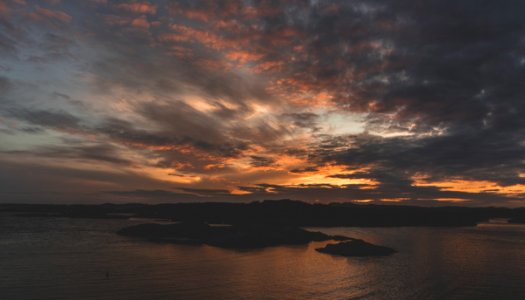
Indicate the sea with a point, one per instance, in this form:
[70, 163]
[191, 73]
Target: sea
[63, 258]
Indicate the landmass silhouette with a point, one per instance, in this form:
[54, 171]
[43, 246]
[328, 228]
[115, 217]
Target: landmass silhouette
[356, 247]
[279, 212]
[244, 237]
[250, 236]
[269, 223]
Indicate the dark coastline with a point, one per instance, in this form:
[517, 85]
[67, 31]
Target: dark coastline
[517, 220]
[279, 212]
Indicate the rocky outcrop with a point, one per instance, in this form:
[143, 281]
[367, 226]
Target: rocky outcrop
[356, 247]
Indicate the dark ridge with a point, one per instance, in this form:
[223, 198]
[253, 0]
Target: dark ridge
[517, 220]
[280, 212]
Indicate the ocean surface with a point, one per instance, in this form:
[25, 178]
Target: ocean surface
[60, 258]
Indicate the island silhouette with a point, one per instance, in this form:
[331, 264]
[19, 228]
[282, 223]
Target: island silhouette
[241, 237]
[269, 223]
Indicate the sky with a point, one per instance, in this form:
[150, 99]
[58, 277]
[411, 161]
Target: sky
[377, 101]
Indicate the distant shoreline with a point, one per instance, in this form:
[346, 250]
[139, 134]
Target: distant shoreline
[283, 212]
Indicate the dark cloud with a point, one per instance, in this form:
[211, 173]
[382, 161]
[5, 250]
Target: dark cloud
[486, 155]
[304, 120]
[96, 152]
[31, 179]
[5, 84]
[303, 170]
[7, 44]
[449, 76]
[46, 118]
[261, 161]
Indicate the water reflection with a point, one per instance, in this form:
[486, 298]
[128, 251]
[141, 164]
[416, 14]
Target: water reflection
[66, 258]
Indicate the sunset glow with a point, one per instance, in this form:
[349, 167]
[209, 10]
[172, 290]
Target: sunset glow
[240, 100]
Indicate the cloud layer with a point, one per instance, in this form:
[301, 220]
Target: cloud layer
[367, 101]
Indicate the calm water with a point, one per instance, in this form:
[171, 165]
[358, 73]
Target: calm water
[44, 258]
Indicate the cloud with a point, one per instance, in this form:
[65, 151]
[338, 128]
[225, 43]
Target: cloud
[44, 14]
[52, 119]
[5, 84]
[30, 179]
[141, 22]
[261, 161]
[89, 152]
[254, 100]
[138, 7]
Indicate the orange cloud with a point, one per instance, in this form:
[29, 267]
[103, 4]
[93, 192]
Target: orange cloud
[3, 8]
[172, 37]
[180, 52]
[213, 64]
[451, 199]
[394, 200]
[323, 176]
[283, 36]
[199, 14]
[228, 25]
[267, 66]
[196, 14]
[243, 57]
[140, 8]
[206, 38]
[302, 93]
[141, 22]
[251, 12]
[470, 186]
